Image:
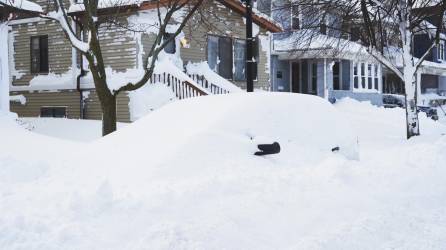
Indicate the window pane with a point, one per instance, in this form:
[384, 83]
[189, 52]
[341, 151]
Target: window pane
[35, 55]
[225, 56]
[43, 54]
[239, 60]
[336, 76]
[212, 51]
[363, 75]
[376, 83]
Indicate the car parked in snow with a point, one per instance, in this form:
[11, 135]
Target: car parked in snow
[393, 101]
[430, 112]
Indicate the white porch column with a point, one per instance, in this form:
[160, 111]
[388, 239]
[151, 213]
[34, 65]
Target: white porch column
[418, 86]
[4, 68]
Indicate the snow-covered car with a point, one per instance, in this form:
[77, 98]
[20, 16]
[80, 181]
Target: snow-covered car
[393, 101]
[429, 111]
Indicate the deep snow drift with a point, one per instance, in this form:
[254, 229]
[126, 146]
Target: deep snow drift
[184, 177]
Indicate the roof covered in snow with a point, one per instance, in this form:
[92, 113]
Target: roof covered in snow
[23, 5]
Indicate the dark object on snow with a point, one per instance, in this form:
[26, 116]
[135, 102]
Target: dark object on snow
[430, 112]
[268, 149]
[393, 101]
[335, 149]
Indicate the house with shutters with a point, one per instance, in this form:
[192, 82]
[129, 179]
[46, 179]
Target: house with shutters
[54, 80]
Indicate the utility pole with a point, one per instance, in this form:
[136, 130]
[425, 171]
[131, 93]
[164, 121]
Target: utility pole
[249, 48]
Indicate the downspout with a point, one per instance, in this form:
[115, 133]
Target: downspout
[80, 75]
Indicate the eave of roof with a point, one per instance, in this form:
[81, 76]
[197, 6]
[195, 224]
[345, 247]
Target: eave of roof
[234, 5]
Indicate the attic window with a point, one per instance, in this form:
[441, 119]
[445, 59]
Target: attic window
[295, 17]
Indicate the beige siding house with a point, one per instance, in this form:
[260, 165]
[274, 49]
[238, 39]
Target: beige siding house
[45, 69]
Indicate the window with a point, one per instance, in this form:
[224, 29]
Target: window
[39, 54]
[376, 76]
[227, 57]
[355, 76]
[363, 75]
[440, 51]
[369, 78]
[58, 112]
[239, 59]
[336, 76]
[170, 47]
[313, 78]
[295, 20]
[355, 33]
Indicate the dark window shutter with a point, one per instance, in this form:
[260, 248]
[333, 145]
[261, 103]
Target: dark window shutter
[170, 47]
[225, 56]
[43, 42]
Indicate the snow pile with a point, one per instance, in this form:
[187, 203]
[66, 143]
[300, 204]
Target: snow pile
[67, 129]
[184, 177]
[149, 98]
[23, 5]
[202, 69]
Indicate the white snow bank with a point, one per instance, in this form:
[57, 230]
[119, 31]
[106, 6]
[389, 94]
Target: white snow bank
[202, 68]
[22, 4]
[149, 98]
[184, 177]
[67, 129]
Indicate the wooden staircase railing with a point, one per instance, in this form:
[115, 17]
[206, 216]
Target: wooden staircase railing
[182, 89]
[203, 82]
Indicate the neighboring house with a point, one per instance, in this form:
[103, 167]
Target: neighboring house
[325, 58]
[432, 73]
[45, 69]
[315, 56]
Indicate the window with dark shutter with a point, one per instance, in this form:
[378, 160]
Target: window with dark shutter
[212, 52]
[239, 59]
[39, 54]
[225, 56]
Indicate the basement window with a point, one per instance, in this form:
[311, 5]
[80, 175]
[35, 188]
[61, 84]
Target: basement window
[39, 54]
[55, 112]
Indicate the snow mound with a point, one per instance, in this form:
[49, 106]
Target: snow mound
[229, 128]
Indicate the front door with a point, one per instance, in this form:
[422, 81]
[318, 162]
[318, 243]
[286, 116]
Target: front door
[295, 83]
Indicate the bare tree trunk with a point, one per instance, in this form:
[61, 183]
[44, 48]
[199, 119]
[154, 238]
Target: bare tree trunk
[108, 105]
[412, 122]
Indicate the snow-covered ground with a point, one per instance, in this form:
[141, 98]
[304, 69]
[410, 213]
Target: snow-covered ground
[184, 177]
[68, 129]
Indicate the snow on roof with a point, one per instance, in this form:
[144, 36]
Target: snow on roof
[313, 43]
[102, 4]
[22, 4]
